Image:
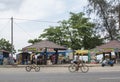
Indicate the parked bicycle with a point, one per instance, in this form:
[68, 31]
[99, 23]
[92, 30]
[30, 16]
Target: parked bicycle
[30, 67]
[73, 67]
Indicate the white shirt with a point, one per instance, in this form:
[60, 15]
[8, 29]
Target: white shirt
[75, 58]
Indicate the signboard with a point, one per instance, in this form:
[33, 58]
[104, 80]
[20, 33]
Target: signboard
[31, 49]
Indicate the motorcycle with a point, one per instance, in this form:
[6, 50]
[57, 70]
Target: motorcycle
[107, 63]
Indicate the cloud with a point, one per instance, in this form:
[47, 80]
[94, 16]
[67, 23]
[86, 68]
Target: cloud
[40, 9]
[9, 4]
[79, 5]
[29, 9]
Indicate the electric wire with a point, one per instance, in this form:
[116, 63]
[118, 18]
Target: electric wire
[35, 20]
[4, 18]
[20, 27]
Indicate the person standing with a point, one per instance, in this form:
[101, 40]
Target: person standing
[32, 58]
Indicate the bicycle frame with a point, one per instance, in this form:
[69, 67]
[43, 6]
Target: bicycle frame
[75, 67]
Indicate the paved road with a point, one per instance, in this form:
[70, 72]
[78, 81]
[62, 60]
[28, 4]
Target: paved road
[60, 77]
[60, 74]
[61, 69]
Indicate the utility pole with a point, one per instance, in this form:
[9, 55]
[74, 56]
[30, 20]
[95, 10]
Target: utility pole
[12, 36]
[119, 14]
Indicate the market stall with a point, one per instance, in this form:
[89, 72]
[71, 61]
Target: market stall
[112, 46]
[84, 53]
[4, 55]
[45, 47]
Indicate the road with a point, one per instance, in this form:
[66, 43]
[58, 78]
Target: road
[61, 74]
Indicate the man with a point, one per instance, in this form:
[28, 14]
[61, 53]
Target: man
[77, 61]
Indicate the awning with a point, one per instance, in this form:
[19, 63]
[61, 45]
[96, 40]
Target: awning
[82, 52]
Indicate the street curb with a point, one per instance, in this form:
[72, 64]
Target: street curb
[58, 65]
[64, 65]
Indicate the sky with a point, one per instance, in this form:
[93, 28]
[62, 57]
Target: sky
[31, 17]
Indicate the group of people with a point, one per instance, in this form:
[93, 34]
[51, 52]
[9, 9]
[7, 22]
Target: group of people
[61, 59]
[53, 59]
[41, 59]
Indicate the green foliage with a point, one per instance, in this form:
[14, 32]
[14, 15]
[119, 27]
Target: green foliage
[76, 32]
[5, 45]
[34, 41]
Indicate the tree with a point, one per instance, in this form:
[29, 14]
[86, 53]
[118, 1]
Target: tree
[34, 41]
[116, 10]
[53, 34]
[85, 31]
[105, 10]
[5, 45]
[76, 32]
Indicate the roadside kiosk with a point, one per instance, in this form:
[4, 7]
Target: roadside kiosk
[3, 54]
[84, 53]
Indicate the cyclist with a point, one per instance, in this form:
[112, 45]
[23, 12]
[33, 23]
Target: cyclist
[77, 61]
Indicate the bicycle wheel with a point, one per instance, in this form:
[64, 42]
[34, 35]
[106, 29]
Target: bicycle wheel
[72, 68]
[84, 68]
[37, 68]
[28, 68]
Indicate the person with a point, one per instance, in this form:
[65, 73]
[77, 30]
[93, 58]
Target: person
[33, 59]
[76, 58]
[77, 61]
[53, 58]
[67, 59]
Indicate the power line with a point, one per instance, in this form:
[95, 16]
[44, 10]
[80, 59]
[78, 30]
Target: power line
[29, 20]
[4, 18]
[36, 20]
[22, 29]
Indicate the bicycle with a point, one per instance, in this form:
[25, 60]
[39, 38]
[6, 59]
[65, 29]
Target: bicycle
[75, 67]
[30, 67]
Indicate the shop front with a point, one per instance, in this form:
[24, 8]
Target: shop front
[4, 55]
[45, 48]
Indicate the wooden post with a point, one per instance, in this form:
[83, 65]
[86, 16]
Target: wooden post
[45, 56]
[110, 55]
[56, 56]
[103, 56]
